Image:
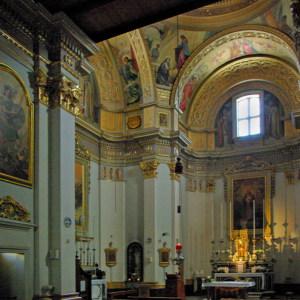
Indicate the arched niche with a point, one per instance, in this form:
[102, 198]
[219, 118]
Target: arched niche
[237, 43]
[135, 269]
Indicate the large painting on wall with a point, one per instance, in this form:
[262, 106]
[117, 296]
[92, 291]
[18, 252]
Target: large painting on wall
[249, 188]
[16, 129]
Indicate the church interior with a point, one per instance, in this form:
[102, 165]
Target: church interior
[144, 143]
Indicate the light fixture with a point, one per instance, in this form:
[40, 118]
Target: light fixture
[178, 166]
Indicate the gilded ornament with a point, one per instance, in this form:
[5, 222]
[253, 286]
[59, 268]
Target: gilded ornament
[210, 185]
[149, 169]
[134, 122]
[11, 209]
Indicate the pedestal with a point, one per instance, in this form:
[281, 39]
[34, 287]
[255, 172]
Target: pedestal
[174, 286]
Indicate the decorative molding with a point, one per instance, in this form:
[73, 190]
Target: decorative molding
[289, 177]
[80, 149]
[11, 209]
[142, 57]
[149, 168]
[173, 175]
[134, 122]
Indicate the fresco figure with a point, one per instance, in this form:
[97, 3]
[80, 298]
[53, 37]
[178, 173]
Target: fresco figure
[188, 91]
[283, 26]
[130, 75]
[273, 126]
[235, 50]
[248, 48]
[182, 52]
[155, 53]
[224, 129]
[163, 72]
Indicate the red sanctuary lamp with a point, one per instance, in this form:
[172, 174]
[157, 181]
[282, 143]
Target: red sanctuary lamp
[178, 247]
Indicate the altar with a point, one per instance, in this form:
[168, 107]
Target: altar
[259, 278]
[228, 289]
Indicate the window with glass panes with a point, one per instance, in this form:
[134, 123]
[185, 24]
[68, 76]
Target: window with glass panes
[248, 115]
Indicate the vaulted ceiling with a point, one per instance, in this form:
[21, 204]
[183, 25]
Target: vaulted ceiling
[103, 19]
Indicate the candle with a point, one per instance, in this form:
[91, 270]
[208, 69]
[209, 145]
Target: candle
[230, 221]
[93, 232]
[221, 221]
[254, 219]
[212, 222]
[263, 218]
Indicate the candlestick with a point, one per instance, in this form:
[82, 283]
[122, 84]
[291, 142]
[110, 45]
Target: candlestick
[212, 222]
[254, 219]
[221, 221]
[230, 225]
[94, 231]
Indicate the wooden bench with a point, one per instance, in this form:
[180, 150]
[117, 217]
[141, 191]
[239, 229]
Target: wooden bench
[121, 294]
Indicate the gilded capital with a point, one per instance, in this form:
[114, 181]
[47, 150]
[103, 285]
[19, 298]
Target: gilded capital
[210, 185]
[149, 169]
[41, 91]
[173, 175]
[66, 94]
[289, 177]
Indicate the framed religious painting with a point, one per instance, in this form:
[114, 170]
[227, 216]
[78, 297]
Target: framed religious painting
[111, 255]
[16, 129]
[82, 188]
[164, 256]
[249, 188]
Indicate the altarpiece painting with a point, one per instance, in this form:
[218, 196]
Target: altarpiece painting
[249, 188]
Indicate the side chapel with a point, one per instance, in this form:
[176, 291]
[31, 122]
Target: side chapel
[90, 134]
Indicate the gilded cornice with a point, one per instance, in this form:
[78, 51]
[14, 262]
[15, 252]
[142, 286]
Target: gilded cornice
[145, 69]
[220, 39]
[149, 168]
[64, 93]
[11, 209]
[242, 70]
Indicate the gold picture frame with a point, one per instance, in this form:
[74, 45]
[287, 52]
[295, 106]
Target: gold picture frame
[111, 256]
[16, 129]
[249, 188]
[82, 188]
[164, 256]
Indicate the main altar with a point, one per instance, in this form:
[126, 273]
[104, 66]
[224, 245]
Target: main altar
[239, 264]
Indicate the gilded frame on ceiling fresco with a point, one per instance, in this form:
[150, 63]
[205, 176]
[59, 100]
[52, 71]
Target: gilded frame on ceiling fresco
[249, 188]
[16, 129]
[82, 188]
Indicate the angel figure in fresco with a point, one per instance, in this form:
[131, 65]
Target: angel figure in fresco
[182, 52]
[188, 91]
[235, 50]
[130, 74]
[224, 129]
[14, 156]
